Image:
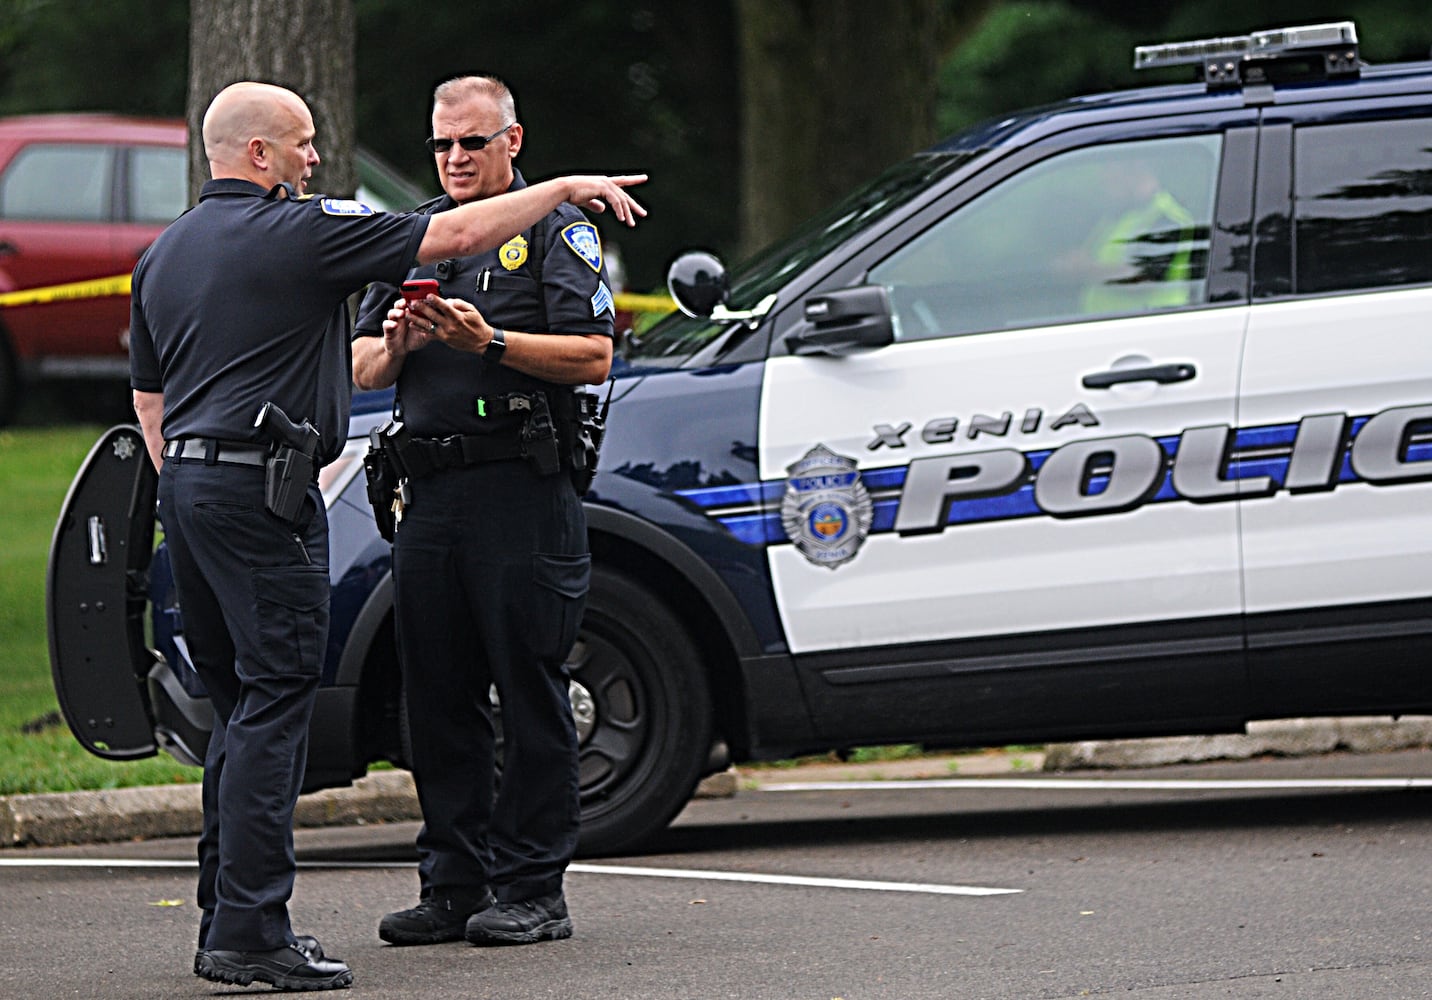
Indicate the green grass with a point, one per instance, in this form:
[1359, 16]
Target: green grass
[37, 751]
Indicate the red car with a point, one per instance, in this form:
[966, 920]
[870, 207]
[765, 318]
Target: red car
[81, 197]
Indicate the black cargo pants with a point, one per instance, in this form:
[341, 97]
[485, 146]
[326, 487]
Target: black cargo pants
[253, 594]
[491, 570]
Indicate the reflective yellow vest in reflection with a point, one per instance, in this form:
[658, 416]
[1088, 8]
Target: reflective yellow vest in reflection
[1146, 257]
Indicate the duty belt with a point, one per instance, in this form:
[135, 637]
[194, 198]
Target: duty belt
[424, 456]
[212, 450]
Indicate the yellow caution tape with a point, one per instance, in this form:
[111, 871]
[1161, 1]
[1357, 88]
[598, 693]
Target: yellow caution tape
[631, 302]
[92, 289]
[119, 285]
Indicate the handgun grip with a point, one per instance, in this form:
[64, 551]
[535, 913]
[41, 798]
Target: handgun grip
[277, 424]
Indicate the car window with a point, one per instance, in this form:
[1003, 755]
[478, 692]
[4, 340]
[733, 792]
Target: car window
[1106, 230]
[66, 183]
[1362, 205]
[677, 337]
[158, 183]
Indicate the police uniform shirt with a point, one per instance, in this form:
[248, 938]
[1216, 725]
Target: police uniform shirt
[242, 301]
[439, 385]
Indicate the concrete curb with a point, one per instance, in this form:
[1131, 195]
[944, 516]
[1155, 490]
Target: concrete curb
[58, 819]
[177, 810]
[1285, 738]
[388, 796]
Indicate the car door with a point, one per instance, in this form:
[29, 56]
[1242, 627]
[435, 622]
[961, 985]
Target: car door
[96, 601]
[992, 500]
[1338, 562]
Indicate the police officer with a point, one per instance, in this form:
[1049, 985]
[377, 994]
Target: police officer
[490, 558]
[239, 303]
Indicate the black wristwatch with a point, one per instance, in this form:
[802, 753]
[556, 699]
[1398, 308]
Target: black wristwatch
[495, 347]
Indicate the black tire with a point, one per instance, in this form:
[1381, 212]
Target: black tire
[650, 728]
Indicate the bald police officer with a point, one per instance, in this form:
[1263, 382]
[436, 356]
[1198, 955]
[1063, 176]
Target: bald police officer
[238, 304]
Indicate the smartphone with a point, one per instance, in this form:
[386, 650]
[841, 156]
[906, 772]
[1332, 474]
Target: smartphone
[416, 291]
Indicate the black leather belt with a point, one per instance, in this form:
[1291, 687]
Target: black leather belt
[424, 456]
[211, 450]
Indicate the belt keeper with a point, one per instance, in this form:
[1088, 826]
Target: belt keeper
[211, 451]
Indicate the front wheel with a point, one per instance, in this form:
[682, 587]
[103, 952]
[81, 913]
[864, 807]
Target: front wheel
[643, 714]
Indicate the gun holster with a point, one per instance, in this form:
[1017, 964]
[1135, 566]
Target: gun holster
[385, 474]
[289, 470]
[539, 438]
[286, 477]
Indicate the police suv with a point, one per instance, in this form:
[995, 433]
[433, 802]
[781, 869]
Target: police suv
[1106, 419]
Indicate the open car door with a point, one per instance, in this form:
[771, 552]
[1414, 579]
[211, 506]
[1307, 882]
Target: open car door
[95, 598]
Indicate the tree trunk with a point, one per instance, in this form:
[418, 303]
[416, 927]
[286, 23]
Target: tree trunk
[834, 91]
[304, 45]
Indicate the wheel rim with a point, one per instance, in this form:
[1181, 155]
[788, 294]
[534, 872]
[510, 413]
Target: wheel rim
[616, 716]
[584, 710]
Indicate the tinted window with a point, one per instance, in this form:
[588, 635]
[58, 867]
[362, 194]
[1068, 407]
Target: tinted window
[68, 183]
[677, 337]
[1101, 231]
[158, 184]
[1362, 206]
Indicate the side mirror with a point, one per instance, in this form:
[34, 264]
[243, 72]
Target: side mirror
[843, 322]
[697, 281]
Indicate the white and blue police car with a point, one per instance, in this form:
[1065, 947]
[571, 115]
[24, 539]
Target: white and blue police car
[1107, 419]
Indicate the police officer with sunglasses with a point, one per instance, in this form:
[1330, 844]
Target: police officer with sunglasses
[490, 558]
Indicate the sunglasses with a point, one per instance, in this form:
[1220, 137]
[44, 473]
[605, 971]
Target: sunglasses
[471, 143]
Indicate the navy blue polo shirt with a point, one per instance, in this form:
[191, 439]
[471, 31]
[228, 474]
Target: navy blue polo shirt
[242, 300]
[439, 386]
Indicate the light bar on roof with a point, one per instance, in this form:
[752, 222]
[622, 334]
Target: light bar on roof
[1190, 53]
[1260, 45]
[1312, 36]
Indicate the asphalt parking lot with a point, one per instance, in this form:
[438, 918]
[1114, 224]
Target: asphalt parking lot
[1286, 877]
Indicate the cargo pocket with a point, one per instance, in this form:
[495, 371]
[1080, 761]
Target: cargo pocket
[292, 617]
[562, 583]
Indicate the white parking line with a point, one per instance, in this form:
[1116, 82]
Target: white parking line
[1087, 784]
[693, 874]
[92, 863]
[700, 875]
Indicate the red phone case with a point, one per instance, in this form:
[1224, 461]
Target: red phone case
[416, 291]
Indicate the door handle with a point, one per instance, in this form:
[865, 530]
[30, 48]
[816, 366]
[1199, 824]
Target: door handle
[1163, 374]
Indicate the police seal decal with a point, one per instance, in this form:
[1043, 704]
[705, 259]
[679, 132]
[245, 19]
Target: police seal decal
[582, 238]
[513, 253]
[826, 511]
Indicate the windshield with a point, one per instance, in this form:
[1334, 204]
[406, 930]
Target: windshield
[677, 337]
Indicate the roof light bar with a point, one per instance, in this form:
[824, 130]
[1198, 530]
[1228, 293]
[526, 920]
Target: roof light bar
[1231, 61]
[1190, 53]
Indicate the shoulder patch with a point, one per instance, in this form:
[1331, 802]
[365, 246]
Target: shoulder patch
[340, 206]
[602, 301]
[585, 243]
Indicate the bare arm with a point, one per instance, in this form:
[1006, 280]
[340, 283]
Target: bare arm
[574, 359]
[373, 366]
[378, 361]
[568, 359]
[149, 408]
[482, 225]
